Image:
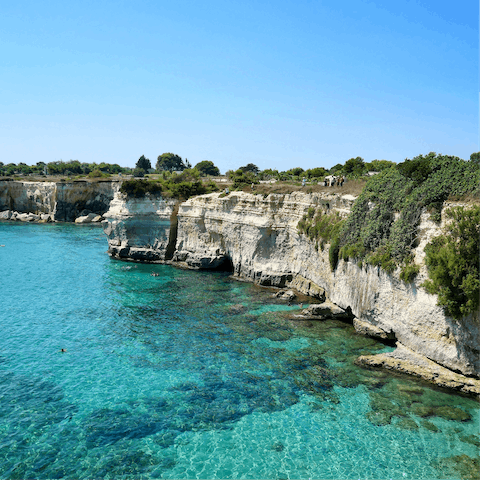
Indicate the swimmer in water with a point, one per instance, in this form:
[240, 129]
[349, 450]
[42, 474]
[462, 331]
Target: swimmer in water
[63, 350]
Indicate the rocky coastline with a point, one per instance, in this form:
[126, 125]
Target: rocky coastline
[256, 238]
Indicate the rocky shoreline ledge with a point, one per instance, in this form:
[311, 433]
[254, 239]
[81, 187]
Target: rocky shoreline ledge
[404, 360]
[46, 217]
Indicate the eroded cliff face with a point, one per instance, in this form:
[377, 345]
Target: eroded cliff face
[141, 229]
[64, 200]
[258, 238]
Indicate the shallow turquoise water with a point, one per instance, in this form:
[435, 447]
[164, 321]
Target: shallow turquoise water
[194, 375]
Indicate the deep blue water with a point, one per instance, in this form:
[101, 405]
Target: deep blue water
[195, 375]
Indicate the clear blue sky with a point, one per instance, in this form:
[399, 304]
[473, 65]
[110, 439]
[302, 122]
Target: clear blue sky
[276, 83]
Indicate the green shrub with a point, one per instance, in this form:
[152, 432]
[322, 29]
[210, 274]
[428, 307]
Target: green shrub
[139, 188]
[322, 227]
[98, 174]
[371, 231]
[333, 253]
[183, 186]
[242, 179]
[452, 263]
[409, 272]
[382, 257]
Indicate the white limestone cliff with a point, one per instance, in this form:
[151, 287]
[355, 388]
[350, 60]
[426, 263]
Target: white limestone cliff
[257, 237]
[140, 229]
[64, 201]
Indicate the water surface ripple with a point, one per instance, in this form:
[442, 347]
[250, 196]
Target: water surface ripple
[194, 375]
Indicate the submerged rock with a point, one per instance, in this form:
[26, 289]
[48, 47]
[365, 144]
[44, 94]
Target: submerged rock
[452, 413]
[322, 311]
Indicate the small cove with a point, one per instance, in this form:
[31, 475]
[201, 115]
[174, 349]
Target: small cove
[195, 375]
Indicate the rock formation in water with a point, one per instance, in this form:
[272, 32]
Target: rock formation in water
[141, 229]
[257, 237]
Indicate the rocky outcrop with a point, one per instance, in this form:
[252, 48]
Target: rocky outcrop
[89, 218]
[402, 359]
[141, 229]
[26, 217]
[65, 201]
[257, 238]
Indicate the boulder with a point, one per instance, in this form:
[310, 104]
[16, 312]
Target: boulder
[370, 330]
[322, 311]
[87, 218]
[27, 217]
[287, 295]
[5, 215]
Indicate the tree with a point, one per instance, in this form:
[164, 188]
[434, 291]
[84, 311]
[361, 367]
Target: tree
[170, 162]
[241, 178]
[296, 171]
[355, 167]
[418, 169]
[336, 169]
[206, 167]
[452, 262]
[475, 158]
[138, 172]
[318, 172]
[250, 168]
[379, 165]
[143, 163]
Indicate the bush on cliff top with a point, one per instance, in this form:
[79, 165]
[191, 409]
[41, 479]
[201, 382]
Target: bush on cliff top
[182, 186]
[138, 188]
[382, 227]
[371, 231]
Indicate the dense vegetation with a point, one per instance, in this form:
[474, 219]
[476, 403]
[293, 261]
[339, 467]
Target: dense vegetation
[370, 231]
[171, 162]
[452, 262]
[242, 178]
[171, 185]
[73, 167]
[382, 227]
[206, 167]
[138, 188]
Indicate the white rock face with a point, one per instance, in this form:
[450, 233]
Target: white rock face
[22, 196]
[260, 238]
[63, 200]
[139, 229]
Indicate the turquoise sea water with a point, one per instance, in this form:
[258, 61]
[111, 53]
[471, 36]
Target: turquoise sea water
[195, 375]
